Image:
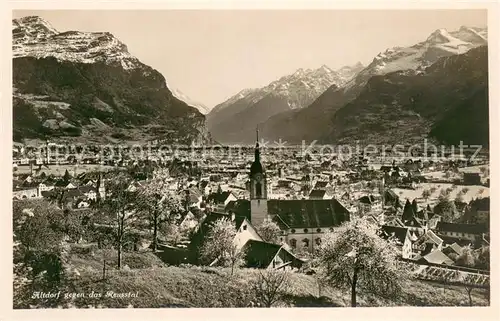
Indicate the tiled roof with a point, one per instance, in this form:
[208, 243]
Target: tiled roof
[260, 254]
[309, 213]
[461, 228]
[367, 199]
[86, 189]
[399, 233]
[239, 208]
[317, 193]
[320, 185]
[437, 257]
[453, 248]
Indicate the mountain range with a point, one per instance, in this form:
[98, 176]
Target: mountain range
[87, 86]
[234, 120]
[319, 121]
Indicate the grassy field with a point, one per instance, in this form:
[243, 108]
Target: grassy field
[156, 285]
[468, 192]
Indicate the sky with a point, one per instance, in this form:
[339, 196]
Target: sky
[210, 55]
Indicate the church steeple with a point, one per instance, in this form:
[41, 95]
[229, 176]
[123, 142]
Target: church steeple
[258, 187]
[257, 147]
[256, 167]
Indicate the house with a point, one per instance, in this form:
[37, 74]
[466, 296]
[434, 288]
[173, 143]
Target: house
[263, 255]
[188, 221]
[391, 199]
[25, 193]
[240, 207]
[321, 185]
[284, 183]
[369, 203]
[414, 219]
[453, 250]
[318, 194]
[42, 187]
[65, 184]
[459, 231]
[426, 243]
[82, 203]
[472, 178]
[89, 192]
[193, 197]
[401, 236]
[478, 211]
[435, 257]
[245, 232]
[204, 187]
[222, 197]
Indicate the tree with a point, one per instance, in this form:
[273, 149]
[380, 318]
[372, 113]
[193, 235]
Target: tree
[37, 224]
[269, 286]
[269, 231]
[466, 279]
[158, 202]
[459, 199]
[426, 194]
[358, 258]
[171, 232]
[219, 247]
[467, 258]
[120, 208]
[66, 176]
[446, 209]
[38, 256]
[483, 258]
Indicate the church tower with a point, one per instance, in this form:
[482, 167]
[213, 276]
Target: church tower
[258, 189]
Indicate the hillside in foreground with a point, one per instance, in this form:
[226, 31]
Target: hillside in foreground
[158, 285]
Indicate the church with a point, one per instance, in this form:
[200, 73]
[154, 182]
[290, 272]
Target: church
[302, 222]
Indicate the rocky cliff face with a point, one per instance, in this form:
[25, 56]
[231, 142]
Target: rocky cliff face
[87, 86]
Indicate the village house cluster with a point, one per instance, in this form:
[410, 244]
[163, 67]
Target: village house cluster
[305, 195]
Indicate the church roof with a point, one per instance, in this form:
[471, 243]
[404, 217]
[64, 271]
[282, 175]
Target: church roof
[308, 213]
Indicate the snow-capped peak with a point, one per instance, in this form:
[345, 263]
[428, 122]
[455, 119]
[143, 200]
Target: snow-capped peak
[439, 43]
[299, 89]
[35, 37]
[473, 35]
[440, 36]
[34, 24]
[181, 96]
[326, 69]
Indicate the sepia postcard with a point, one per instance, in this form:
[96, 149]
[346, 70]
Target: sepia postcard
[256, 157]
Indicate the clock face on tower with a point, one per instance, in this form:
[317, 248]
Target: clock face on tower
[258, 177]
